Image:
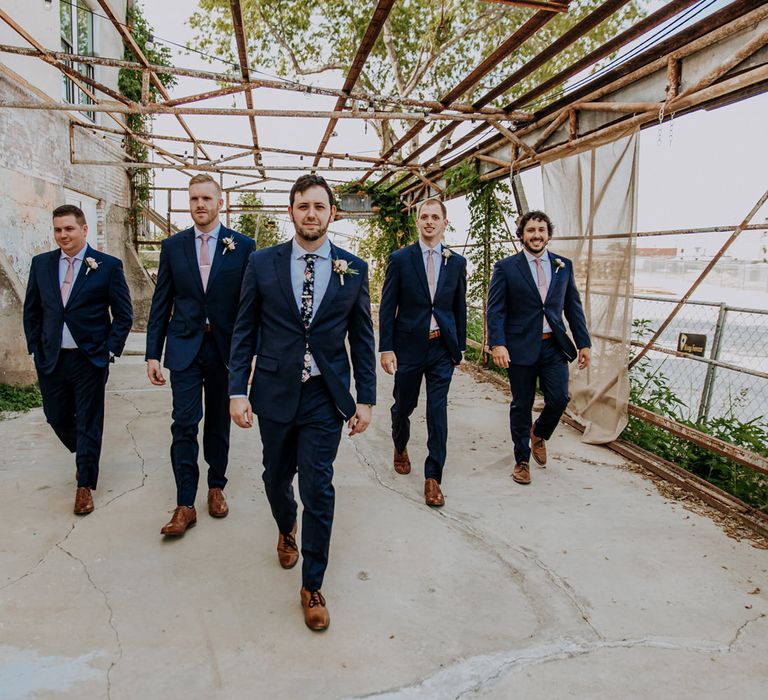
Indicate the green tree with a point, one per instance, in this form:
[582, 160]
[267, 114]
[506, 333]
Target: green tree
[426, 46]
[129, 84]
[263, 228]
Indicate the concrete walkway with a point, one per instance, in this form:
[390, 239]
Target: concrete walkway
[586, 584]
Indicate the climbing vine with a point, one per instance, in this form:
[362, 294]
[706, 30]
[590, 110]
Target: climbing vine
[129, 84]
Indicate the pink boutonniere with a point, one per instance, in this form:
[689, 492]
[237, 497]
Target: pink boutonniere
[342, 268]
[447, 252]
[92, 265]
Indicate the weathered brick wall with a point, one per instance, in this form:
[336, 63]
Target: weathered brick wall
[36, 171]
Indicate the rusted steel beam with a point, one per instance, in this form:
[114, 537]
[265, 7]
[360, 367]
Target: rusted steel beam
[128, 38]
[242, 55]
[648, 23]
[673, 77]
[514, 41]
[513, 138]
[207, 166]
[153, 108]
[534, 4]
[372, 32]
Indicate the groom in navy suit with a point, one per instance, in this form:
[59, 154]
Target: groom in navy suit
[193, 313]
[77, 316]
[300, 302]
[530, 293]
[422, 335]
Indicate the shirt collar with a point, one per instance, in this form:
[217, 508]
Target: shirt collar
[213, 234]
[530, 258]
[78, 256]
[425, 248]
[324, 251]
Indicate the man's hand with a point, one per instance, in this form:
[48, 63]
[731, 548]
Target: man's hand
[241, 412]
[154, 372]
[584, 357]
[389, 362]
[361, 420]
[500, 356]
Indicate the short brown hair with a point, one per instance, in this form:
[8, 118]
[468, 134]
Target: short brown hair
[70, 210]
[432, 200]
[305, 182]
[539, 216]
[202, 178]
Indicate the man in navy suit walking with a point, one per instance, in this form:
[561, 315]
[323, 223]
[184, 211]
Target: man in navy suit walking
[70, 295]
[300, 301]
[193, 313]
[530, 293]
[422, 334]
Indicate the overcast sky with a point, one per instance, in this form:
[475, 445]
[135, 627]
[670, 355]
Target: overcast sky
[706, 169]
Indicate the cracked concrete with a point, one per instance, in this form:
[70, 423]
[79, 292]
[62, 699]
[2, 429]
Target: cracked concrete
[587, 583]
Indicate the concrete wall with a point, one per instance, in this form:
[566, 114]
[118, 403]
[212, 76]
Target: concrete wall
[37, 176]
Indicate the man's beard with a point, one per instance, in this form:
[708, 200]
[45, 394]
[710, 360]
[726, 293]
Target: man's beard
[310, 236]
[532, 250]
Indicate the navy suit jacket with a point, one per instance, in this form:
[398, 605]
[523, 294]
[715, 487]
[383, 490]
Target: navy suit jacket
[269, 325]
[406, 306]
[180, 306]
[95, 294]
[516, 313]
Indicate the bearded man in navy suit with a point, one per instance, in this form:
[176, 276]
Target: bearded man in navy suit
[193, 313]
[530, 293]
[422, 335]
[77, 316]
[300, 302]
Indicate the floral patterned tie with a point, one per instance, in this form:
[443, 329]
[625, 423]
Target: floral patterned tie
[307, 307]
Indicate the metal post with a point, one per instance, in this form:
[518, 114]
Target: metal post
[168, 224]
[227, 212]
[709, 379]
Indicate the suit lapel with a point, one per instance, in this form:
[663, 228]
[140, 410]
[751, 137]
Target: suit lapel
[445, 263]
[334, 285]
[188, 244]
[283, 271]
[418, 262]
[553, 269]
[53, 272]
[525, 271]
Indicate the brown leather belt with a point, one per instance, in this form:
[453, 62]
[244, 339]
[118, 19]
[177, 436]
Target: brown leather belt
[434, 334]
[546, 336]
[207, 328]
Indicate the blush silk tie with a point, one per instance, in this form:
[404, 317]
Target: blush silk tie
[541, 279]
[205, 259]
[66, 286]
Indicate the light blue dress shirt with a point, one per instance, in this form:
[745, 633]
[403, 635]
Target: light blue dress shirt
[323, 271]
[67, 341]
[546, 265]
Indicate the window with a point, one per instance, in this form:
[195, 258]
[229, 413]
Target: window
[77, 37]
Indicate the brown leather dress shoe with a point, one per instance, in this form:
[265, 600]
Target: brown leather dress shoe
[287, 551]
[83, 501]
[217, 504]
[522, 473]
[402, 462]
[538, 449]
[316, 615]
[181, 519]
[433, 496]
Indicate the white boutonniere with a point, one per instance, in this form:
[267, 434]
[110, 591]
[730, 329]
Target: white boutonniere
[447, 252]
[559, 265]
[92, 265]
[228, 243]
[342, 268]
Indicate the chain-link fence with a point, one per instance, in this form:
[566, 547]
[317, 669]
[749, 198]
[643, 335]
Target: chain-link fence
[730, 377]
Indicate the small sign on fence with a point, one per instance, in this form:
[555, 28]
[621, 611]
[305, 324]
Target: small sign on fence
[692, 343]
